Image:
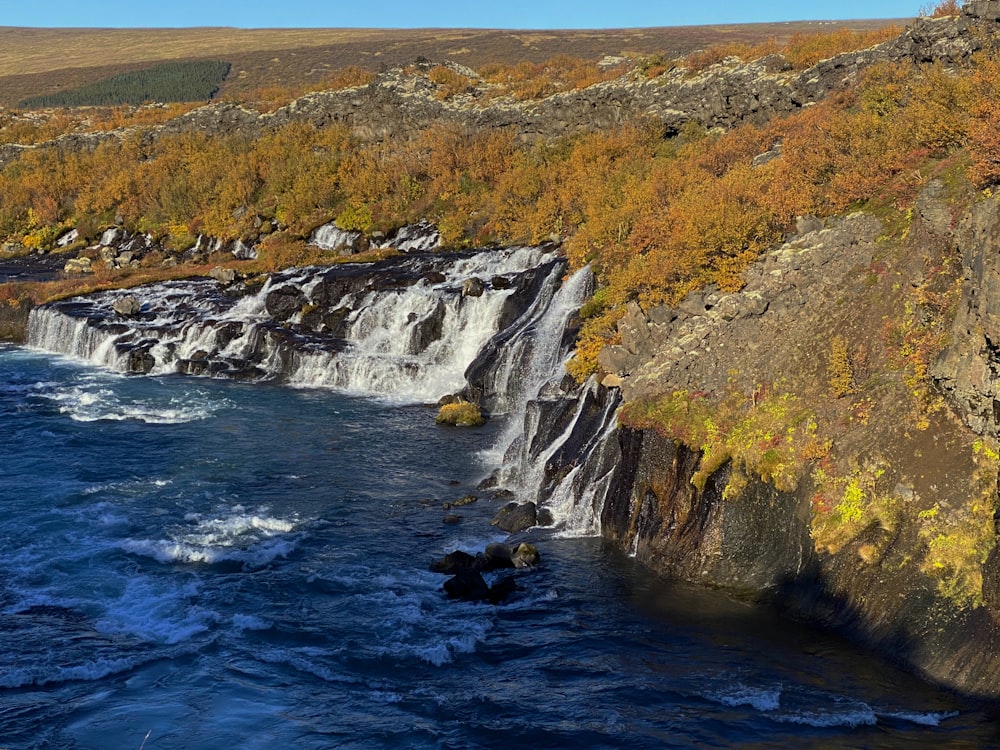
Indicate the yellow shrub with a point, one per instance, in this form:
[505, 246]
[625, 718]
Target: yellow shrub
[460, 414]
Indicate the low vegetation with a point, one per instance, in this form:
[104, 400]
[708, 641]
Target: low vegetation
[799, 52]
[460, 414]
[167, 82]
[655, 218]
[769, 433]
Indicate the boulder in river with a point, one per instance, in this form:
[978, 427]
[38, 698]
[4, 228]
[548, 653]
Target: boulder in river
[525, 555]
[470, 586]
[456, 562]
[473, 287]
[467, 585]
[127, 307]
[515, 517]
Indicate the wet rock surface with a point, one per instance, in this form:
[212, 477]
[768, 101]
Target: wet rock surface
[395, 313]
[466, 570]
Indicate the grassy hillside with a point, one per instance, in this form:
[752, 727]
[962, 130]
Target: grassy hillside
[36, 62]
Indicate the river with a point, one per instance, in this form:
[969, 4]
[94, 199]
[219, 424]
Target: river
[200, 563]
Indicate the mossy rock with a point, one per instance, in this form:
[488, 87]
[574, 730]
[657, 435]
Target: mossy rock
[460, 414]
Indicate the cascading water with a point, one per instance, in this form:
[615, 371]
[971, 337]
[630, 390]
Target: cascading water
[406, 329]
[557, 448]
[491, 325]
[332, 237]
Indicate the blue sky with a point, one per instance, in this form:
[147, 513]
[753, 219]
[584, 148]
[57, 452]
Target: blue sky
[520, 14]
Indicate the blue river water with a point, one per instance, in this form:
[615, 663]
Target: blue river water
[192, 563]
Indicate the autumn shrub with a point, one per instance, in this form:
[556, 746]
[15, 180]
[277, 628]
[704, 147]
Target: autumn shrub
[460, 414]
[349, 77]
[943, 9]
[701, 59]
[450, 82]
[527, 81]
[800, 52]
[38, 128]
[805, 50]
[654, 217]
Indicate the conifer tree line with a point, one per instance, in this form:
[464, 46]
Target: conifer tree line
[189, 81]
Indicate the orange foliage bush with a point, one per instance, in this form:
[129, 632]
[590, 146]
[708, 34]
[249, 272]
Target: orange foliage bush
[526, 80]
[451, 82]
[349, 77]
[800, 52]
[943, 9]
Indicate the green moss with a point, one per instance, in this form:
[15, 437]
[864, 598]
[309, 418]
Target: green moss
[355, 218]
[843, 507]
[766, 433]
[595, 305]
[959, 539]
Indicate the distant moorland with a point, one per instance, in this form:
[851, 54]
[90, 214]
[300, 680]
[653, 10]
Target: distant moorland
[36, 62]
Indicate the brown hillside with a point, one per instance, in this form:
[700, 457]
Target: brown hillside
[39, 61]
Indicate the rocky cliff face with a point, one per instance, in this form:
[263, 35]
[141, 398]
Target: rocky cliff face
[858, 541]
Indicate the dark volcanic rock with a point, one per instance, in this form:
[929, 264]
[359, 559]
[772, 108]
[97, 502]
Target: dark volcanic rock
[498, 556]
[467, 585]
[427, 330]
[455, 562]
[502, 590]
[285, 301]
[513, 517]
[757, 541]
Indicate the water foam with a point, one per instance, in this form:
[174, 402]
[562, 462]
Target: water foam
[924, 719]
[94, 403]
[760, 699]
[410, 343]
[41, 675]
[858, 716]
[155, 613]
[253, 539]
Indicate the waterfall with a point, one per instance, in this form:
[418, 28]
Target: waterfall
[564, 454]
[529, 356]
[558, 447]
[331, 237]
[405, 329]
[493, 326]
[576, 500]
